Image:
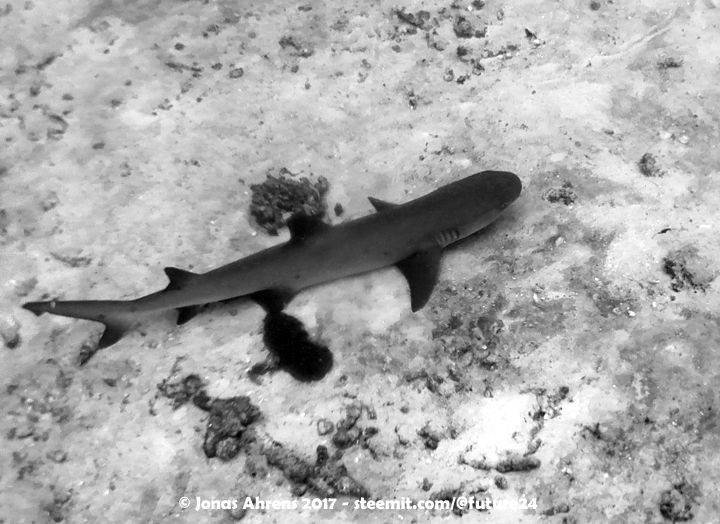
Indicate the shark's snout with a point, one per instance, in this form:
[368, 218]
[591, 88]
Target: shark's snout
[506, 186]
[514, 185]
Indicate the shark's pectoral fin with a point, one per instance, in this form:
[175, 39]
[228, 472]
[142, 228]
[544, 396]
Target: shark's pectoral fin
[113, 333]
[303, 226]
[179, 278]
[185, 314]
[421, 272]
[273, 300]
[381, 205]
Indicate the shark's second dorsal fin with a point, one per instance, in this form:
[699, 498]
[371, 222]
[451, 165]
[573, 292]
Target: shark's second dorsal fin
[179, 278]
[303, 226]
[421, 272]
[381, 205]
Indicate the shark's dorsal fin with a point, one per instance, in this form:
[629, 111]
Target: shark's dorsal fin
[179, 278]
[421, 272]
[303, 226]
[381, 205]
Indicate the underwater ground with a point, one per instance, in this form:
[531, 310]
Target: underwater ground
[567, 364]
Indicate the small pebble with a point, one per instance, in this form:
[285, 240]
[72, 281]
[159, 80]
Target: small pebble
[501, 482]
[477, 67]
[404, 434]
[670, 62]
[10, 331]
[352, 414]
[649, 166]
[57, 455]
[238, 512]
[345, 438]
[324, 426]
[463, 28]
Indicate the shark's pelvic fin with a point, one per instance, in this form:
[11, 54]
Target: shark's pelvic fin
[113, 332]
[304, 226]
[421, 272]
[186, 313]
[381, 205]
[179, 278]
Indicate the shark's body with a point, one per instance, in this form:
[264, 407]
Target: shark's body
[410, 235]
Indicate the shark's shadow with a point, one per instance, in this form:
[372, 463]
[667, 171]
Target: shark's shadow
[291, 348]
[286, 338]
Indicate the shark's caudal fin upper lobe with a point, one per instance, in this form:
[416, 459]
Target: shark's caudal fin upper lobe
[116, 324]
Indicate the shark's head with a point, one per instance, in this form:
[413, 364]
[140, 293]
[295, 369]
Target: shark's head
[480, 198]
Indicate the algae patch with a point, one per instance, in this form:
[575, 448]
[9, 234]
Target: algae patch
[274, 200]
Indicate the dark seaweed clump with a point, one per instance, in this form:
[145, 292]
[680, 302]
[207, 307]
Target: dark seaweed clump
[688, 269]
[231, 429]
[229, 419]
[278, 197]
[182, 391]
[676, 503]
[326, 477]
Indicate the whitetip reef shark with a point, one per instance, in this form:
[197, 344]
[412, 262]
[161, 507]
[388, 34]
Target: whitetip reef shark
[410, 236]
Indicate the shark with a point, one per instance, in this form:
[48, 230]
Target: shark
[410, 236]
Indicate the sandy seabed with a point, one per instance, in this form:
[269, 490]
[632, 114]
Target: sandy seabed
[569, 355]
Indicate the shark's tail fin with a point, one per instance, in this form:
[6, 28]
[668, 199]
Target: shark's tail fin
[114, 314]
